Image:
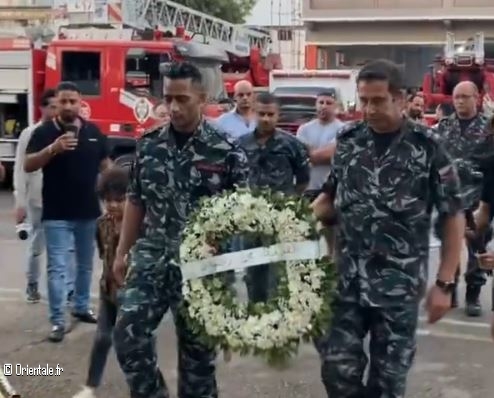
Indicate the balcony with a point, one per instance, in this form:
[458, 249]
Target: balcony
[397, 10]
[26, 3]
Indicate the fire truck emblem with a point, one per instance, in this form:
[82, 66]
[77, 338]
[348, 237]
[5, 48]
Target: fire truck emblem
[142, 110]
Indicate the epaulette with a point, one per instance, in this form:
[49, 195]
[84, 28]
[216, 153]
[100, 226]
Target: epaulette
[349, 127]
[153, 131]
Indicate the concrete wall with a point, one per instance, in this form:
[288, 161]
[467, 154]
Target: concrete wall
[405, 9]
[414, 59]
[414, 32]
[292, 51]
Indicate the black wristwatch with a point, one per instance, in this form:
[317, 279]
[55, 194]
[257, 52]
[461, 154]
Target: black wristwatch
[446, 287]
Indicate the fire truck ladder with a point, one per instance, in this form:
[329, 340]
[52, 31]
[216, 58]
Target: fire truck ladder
[476, 50]
[168, 15]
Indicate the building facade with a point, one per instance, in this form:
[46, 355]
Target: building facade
[283, 19]
[347, 33]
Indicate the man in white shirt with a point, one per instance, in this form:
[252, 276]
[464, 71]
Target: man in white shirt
[319, 135]
[240, 120]
[27, 192]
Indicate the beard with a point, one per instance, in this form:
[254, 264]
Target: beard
[415, 114]
[67, 117]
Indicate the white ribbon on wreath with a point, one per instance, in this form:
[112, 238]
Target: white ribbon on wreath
[237, 261]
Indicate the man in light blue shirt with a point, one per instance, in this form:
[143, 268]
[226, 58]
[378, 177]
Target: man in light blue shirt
[319, 135]
[240, 120]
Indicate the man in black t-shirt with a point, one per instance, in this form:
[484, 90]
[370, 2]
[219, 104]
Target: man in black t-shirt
[71, 152]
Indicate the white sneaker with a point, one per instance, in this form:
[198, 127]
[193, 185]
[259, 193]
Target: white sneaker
[86, 392]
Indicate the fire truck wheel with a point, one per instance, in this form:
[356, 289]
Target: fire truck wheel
[125, 161]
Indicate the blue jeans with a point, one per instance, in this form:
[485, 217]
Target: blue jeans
[59, 235]
[36, 248]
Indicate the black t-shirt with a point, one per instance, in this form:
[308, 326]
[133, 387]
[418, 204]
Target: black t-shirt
[382, 141]
[69, 179]
[180, 138]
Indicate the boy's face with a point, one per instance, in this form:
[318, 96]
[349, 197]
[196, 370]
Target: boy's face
[114, 206]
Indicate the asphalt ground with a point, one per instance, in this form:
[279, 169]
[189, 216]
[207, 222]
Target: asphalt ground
[455, 357]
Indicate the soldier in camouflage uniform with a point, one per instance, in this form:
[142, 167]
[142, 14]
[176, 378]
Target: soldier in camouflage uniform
[471, 144]
[280, 162]
[175, 166]
[387, 174]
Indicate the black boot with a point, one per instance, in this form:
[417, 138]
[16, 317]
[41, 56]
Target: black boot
[473, 307]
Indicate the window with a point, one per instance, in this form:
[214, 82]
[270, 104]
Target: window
[284, 35]
[84, 69]
[142, 72]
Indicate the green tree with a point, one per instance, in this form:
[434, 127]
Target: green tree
[234, 11]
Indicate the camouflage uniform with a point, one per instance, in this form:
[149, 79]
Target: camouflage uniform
[470, 149]
[384, 206]
[280, 164]
[168, 182]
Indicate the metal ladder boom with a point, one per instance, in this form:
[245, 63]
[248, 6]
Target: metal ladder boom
[449, 48]
[479, 48]
[167, 15]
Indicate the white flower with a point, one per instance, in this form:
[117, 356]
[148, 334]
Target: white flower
[224, 216]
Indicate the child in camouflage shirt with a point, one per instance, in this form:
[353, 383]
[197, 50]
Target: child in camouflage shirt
[112, 187]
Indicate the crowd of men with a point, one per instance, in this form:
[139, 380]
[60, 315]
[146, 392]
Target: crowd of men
[378, 179]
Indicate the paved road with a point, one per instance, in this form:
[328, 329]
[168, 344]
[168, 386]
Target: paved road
[455, 358]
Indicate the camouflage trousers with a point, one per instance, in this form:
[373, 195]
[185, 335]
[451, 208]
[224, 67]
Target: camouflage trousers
[392, 350]
[152, 289]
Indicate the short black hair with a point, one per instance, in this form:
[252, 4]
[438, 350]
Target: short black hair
[267, 99]
[326, 93]
[46, 96]
[113, 182]
[411, 97]
[68, 86]
[184, 70]
[383, 70]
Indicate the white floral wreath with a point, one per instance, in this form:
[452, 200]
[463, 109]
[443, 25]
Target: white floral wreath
[273, 329]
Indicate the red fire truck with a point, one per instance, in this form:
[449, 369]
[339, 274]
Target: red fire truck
[117, 66]
[249, 49]
[458, 64]
[118, 75]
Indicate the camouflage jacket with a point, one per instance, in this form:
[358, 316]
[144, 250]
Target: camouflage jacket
[107, 236]
[470, 151]
[168, 183]
[384, 209]
[280, 164]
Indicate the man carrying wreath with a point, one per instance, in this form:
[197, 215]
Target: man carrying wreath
[388, 173]
[175, 166]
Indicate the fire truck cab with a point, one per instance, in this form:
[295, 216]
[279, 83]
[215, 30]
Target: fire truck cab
[118, 76]
[121, 80]
[297, 91]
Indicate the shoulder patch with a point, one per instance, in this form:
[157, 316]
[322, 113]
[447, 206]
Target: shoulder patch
[152, 132]
[349, 127]
[219, 133]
